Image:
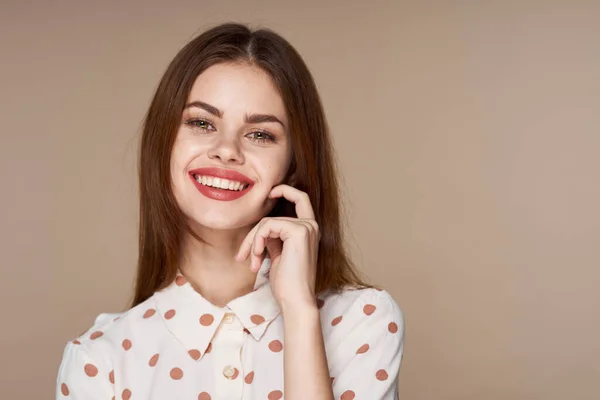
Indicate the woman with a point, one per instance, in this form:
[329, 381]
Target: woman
[243, 286]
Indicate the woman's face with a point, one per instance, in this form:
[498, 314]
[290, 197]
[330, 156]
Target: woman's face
[231, 149]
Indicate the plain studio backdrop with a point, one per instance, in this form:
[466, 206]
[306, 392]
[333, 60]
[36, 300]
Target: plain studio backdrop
[468, 135]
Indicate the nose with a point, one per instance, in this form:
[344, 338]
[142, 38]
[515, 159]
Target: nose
[227, 149]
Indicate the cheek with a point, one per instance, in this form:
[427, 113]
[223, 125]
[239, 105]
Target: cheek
[181, 155]
[185, 150]
[275, 173]
[279, 166]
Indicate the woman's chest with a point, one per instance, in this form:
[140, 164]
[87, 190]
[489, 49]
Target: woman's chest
[233, 365]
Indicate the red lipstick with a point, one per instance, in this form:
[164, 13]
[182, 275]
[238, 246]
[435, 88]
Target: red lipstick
[218, 193]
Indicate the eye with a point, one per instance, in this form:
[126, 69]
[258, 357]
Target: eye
[261, 137]
[199, 123]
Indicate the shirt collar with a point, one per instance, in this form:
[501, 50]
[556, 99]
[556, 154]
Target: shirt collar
[193, 320]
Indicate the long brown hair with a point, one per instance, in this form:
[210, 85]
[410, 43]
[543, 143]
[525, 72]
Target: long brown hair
[312, 170]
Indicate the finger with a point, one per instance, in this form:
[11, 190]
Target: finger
[246, 245]
[261, 241]
[299, 198]
[274, 248]
[276, 229]
[270, 229]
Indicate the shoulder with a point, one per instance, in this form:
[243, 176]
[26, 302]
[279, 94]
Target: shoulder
[369, 301]
[368, 307]
[94, 352]
[108, 329]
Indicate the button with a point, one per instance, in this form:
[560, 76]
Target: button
[228, 371]
[228, 318]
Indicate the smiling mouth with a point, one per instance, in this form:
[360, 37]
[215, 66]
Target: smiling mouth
[220, 183]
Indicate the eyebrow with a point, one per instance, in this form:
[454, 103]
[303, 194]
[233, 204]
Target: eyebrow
[249, 119]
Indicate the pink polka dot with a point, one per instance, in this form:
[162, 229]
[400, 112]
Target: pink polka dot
[180, 280]
[153, 360]
[111, 376]
[96, 335]
[76, 341]
[275, 395]
[235, 373]
[275, 346]
[249, 378]
[176, 373]
[393, 327]
[362, 349]
[381, 375]
[149, 312]
[336, 321]
[195, 354]
[64, 389]
[246, 331]
[348, 395]
[169, 314]
[126, 395]
[257, 319]
[206, 319]
[320, 303]
[90, 370]
[209, 348]
[204, 396]
[369, 309]
[126, 344]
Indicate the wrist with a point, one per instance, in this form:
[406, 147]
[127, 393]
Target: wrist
[300, 307]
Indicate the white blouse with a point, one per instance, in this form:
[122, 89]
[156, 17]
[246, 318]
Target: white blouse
[177, 345]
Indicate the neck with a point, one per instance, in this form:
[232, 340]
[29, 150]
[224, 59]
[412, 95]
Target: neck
[211, 267]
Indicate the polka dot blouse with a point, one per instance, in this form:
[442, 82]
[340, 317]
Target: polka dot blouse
[177, 345]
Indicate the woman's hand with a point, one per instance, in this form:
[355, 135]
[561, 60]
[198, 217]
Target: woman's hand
[292, 245]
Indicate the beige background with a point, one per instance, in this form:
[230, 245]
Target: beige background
[468, 134]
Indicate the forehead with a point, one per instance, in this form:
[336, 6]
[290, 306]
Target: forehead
[238, 89]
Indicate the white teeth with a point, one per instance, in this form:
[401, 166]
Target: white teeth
[220, 183]
[224, 184]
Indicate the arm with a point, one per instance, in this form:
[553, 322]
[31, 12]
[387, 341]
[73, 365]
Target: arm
[292, 245]
[306, 375]
[366, 362]
[80, 377]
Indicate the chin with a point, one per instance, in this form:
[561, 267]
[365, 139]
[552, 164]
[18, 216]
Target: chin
[224, 221]
[235, 215]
